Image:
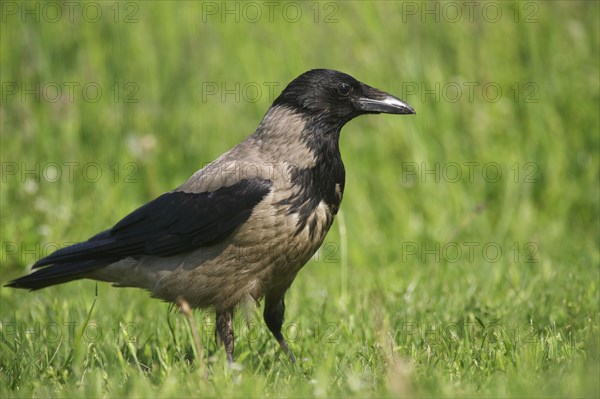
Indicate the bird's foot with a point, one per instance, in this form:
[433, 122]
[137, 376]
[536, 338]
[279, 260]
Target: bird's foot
[286, 349]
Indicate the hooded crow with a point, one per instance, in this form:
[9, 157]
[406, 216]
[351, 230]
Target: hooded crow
[244, 225]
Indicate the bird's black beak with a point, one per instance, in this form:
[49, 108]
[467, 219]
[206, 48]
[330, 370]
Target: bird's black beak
[373, 100]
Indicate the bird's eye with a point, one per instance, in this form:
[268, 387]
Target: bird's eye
[344, 89]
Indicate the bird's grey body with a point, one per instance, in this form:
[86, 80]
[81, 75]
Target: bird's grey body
[264, 254]
[243, 226]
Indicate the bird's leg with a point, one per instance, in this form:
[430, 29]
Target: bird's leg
[273, 315]
[224, 330]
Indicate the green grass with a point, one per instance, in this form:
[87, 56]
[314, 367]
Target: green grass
[409, 296]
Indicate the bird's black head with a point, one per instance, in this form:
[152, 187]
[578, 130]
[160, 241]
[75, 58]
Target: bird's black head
[335, 97]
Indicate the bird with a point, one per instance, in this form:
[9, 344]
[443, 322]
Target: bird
[241, 228]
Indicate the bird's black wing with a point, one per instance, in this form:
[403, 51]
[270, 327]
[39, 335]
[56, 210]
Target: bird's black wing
[173, 223]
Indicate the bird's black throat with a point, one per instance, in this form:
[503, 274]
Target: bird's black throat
[322, 182]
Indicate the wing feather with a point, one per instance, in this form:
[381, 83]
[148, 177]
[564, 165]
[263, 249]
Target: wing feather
[173, 223]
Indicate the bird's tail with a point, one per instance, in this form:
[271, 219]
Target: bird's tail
[56, 274]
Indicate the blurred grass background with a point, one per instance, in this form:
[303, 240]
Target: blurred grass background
[409, 296]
